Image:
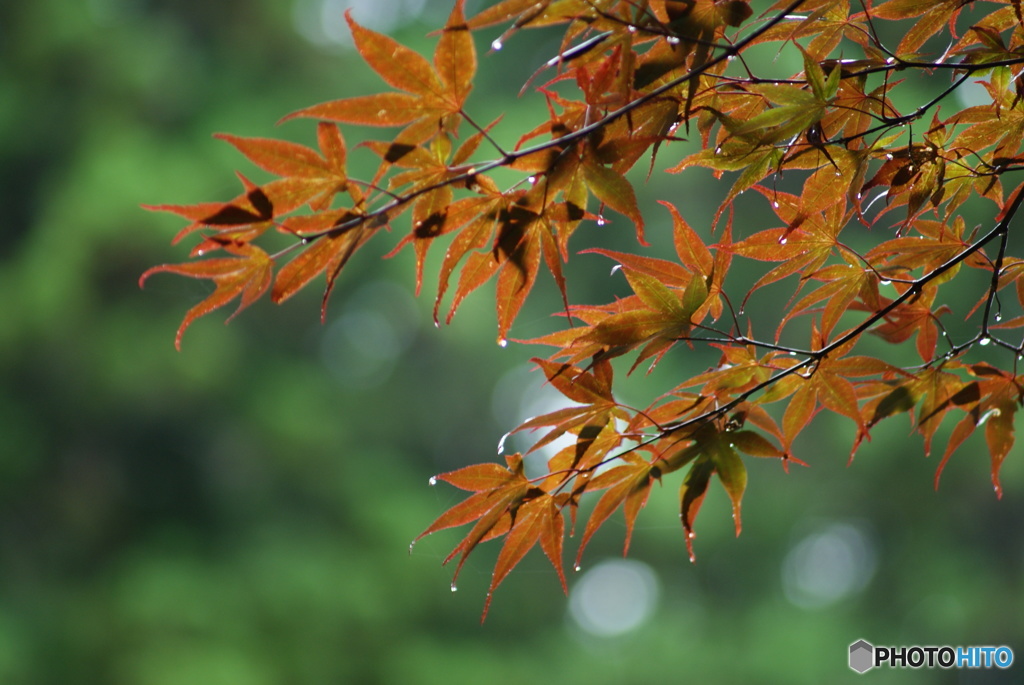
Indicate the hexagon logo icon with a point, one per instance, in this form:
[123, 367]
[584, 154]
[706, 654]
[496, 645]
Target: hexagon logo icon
[862, 655]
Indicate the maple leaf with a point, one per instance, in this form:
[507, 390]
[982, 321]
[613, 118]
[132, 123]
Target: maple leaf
[504, 503]
[990, 401]
[498, 490]
[246, 276]
[829, 149]
[628, 484]
[596, 409]
[311, 178]
[433, 94]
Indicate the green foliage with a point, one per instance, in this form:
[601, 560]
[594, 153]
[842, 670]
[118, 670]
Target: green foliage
[861, 207]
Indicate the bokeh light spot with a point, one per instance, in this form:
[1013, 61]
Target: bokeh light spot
[614, 597]
[833, 562]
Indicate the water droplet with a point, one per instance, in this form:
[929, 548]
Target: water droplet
[888, 155]
[885, 281]
[433, 480]
[577, 568]
[601, 221]
[775, 204]
[792, 353]
[839, 174]
[411, 545]
[999, 317]
[783, 240]
[502, 342]
[1020, 357]
[454, 588]
[740, 312]
[631, 28]
[673, 40]
[718, 150]
[495, 45]
[985, 340]
[200, 253]
[532, 180]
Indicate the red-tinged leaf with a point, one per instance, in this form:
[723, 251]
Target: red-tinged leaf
[900, 399]
[537, 520]
[733, 474]
[332, 145]
[462, 513]
[999, 435]
[246, 276]
[914, 317]
[692, 251]
[280, 157]
[961, 432]
[658, 297]
[755, 444]
[837, 394]
[399, 66]
[516, 279]
[613, 190]
[553, 258]
[691, 497]
[594, 444]
[479, 268]
[476, 234]
[251, 208]
[552, 536]
[632, 478]
[845, 283]
[622, 332]
[500, 504]
[384, 109]
[798, 414]
[478, 478]
[824, 188]
[665, 271]
[579, 385]
[636, 499]
[493, 509]
[455, 57]
[928, 24]
[502, 12]
[329, 253]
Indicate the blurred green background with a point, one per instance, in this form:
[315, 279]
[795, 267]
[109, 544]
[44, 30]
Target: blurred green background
[240, 513]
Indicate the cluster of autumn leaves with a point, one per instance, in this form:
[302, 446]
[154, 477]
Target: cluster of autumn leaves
[630, 77]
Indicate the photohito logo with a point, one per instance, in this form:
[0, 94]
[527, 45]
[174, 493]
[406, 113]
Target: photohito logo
[864, 656]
